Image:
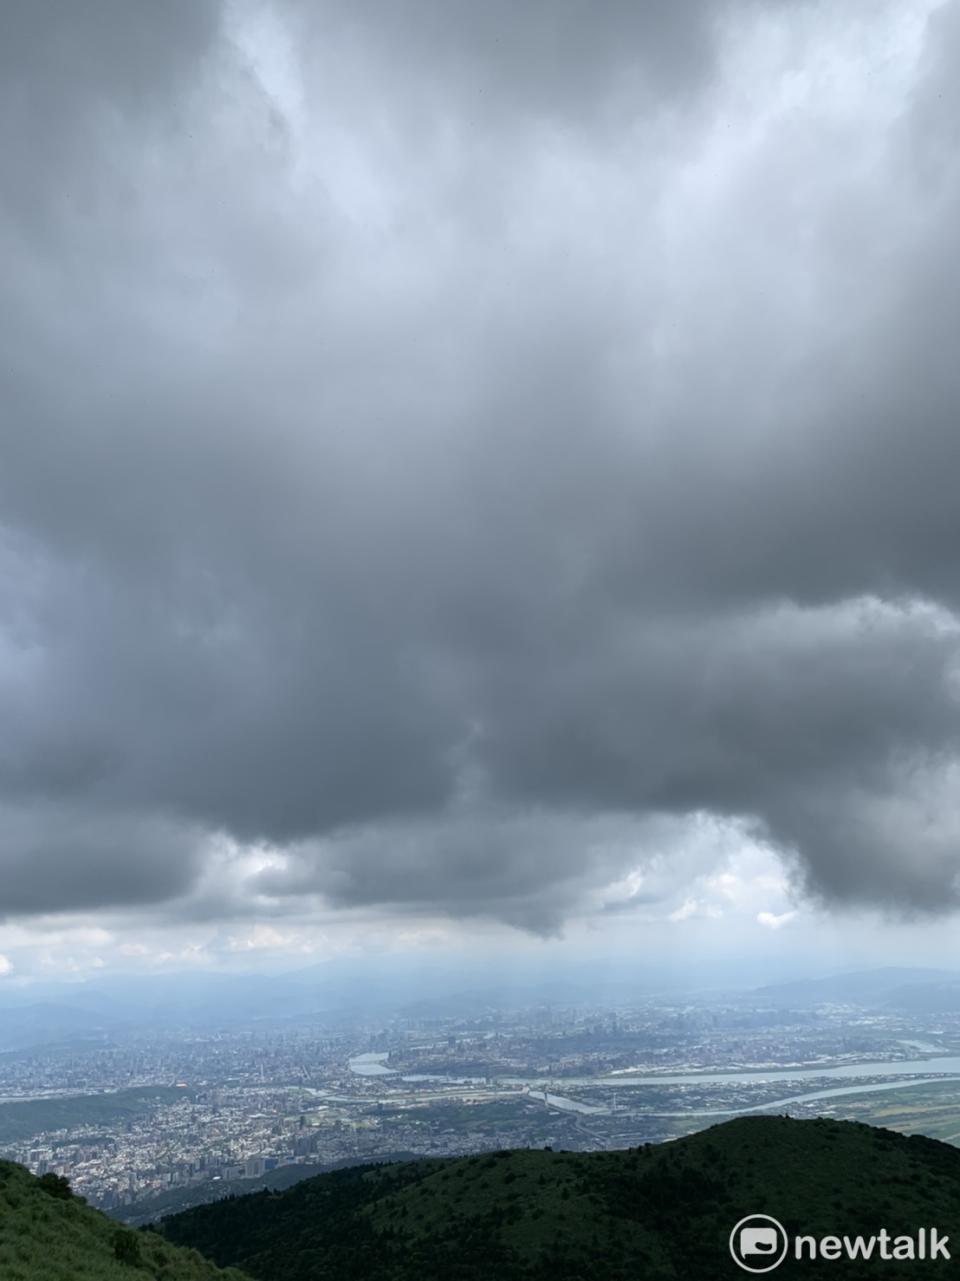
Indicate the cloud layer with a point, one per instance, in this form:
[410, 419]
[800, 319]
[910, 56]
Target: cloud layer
[451, 451]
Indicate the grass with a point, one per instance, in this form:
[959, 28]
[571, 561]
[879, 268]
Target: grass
[53, 1236]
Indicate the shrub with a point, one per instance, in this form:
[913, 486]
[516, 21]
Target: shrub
[56, 1185]
[126, 1247]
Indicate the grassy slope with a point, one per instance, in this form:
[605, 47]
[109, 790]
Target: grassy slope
[45, 1238]
[654, 1212]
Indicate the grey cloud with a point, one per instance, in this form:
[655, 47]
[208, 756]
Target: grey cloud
[68, 857]
[830, 727]
[894, 849]
[560, 63]
[531, 868]
[76, 76]
[334, 469]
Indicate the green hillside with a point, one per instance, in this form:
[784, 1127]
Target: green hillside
[20, 1120]
[48, 1235]
[662, 1211]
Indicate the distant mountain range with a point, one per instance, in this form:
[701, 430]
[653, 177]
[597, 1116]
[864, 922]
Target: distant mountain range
[646, 1214]
[335, 992]
[24, 1027]
[45, 1014]
[916, 989]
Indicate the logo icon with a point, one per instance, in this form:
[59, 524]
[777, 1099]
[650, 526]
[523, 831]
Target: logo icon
[758, 1243]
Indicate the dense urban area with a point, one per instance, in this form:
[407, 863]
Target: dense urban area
[145, 1119]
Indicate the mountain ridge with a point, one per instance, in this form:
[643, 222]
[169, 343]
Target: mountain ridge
[658, 1212]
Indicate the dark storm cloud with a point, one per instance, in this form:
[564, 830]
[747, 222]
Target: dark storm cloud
[357, 441]
[530, 869]
[67, 856]
[563, 62]
[68, 70]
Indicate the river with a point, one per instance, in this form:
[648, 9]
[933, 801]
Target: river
[919, 1072]
[371, 1064]
[812, 1097]
[945, 1065]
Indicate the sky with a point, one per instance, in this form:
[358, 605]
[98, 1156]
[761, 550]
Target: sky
[478, 477]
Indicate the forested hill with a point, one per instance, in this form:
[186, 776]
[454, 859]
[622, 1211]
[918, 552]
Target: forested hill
[643, 1214]
[47, 1234]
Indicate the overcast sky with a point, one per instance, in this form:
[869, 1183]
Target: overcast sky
[476, 471]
